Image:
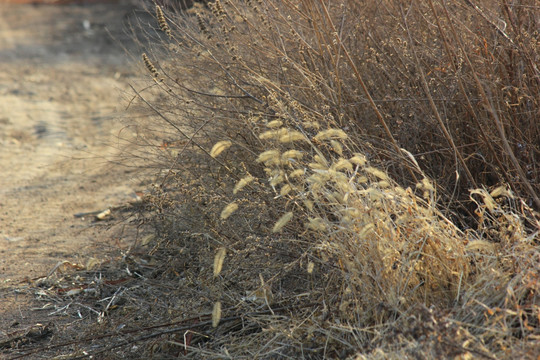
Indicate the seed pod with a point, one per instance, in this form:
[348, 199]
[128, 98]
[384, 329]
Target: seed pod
[151, 68]
[162, 22]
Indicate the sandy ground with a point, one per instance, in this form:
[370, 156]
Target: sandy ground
[63, 84]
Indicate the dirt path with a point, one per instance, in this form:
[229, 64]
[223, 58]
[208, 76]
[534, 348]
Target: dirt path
[61, 83]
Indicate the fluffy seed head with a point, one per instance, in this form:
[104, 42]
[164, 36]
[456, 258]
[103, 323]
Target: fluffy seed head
[358, 159]
[319, 178]
[361, 179]
[282, 222]
[285, 189]
[316, 224]
[274, 124]
[273, 134]
[425, 185]
[218, 260]
[216, 314]
[292, 154]
[269, 156]
[292, 136]
[376, 172]
[297, 173]
[336, 145]
[342, 164]
[219, 147]
[242, 183]
[228, 210]
[277, 178]
[331, 134]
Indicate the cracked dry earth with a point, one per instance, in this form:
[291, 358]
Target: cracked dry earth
[63, 83]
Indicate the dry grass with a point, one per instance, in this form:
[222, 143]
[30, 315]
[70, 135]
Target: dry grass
[364, 176]
[342, 179]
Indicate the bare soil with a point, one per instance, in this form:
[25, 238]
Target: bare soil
[63, 84]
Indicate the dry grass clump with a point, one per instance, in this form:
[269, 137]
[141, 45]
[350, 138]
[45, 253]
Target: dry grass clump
[317, 159]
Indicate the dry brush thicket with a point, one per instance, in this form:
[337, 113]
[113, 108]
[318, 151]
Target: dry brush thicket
[356, 178]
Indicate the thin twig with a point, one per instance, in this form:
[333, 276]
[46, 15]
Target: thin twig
[360, 80]
[171, 123]
[491, 110]
[434, 109]
[161, 332]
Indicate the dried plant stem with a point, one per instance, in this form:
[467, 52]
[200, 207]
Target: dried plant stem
[470, 107]
[491, 110]
[434, 109]
[171, 123]
[524, 51]
[326, 212]
[481, 13]
[363, 85]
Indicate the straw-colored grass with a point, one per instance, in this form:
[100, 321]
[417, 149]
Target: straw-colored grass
[360, 176]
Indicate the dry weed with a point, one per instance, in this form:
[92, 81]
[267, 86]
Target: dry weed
[328, 149]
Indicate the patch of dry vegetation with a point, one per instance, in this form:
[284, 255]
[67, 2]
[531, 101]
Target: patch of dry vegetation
[348, 179]
[338, 179]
